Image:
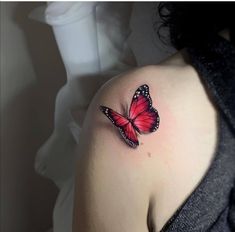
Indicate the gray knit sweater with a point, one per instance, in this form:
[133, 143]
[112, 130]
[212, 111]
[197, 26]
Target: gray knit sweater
[211, 206]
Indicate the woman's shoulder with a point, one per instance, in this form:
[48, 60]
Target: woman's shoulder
[130, 180]
[170, 75]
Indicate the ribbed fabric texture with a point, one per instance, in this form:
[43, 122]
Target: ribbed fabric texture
[211, 206]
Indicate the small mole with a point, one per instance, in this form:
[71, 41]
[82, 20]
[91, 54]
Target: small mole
[149, 154]
[141, 143]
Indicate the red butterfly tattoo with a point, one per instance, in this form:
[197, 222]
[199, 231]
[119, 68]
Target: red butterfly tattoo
[142, 118]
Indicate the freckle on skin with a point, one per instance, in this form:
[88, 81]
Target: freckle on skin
[149, 154]
[141, 143]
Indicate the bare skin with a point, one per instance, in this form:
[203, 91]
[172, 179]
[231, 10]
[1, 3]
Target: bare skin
[123, 189]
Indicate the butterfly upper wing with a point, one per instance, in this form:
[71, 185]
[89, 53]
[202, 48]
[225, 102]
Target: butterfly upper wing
[141, 101]
[116, 118]
[144, 117]
[124, 125]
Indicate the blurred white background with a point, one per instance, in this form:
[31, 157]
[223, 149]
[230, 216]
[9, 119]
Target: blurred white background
[32, 72]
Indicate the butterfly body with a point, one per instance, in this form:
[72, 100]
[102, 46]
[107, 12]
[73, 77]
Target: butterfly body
[142, 117]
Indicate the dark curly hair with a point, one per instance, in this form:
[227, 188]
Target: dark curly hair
[191, 23]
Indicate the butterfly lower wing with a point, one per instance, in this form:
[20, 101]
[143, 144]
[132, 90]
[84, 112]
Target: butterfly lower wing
[147, 121]
[129, 134]
[123, 124]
